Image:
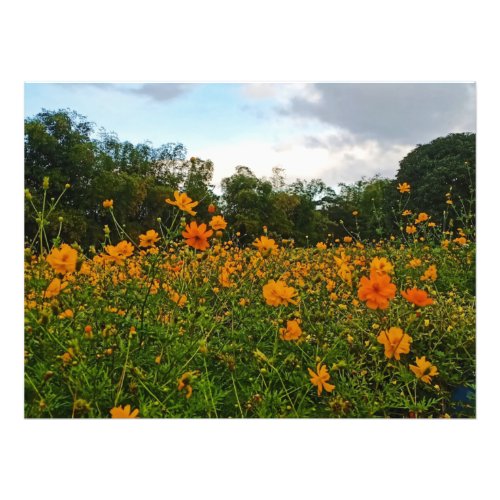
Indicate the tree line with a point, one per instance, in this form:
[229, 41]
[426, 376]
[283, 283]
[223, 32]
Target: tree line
[67, 148]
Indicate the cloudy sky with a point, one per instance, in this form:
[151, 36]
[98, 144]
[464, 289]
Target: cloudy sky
[338, 132]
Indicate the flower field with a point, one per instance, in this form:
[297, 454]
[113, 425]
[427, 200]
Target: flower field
[189, 322]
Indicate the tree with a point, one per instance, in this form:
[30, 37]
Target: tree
[445, 165]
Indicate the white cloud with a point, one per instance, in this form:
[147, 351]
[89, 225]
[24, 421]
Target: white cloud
[282, 93]
[330, 157]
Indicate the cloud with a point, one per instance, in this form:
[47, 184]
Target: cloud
[397, 113]
[154, 91]
[334, 159]
[161, 91]
[281, 93]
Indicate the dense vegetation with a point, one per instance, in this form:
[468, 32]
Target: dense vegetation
[146, 295]
[97, 165]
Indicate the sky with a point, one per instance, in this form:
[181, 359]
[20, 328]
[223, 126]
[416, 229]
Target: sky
[338, 132]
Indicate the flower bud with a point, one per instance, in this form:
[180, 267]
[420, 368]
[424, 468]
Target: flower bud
[28, 195]
[67, 186]
[45, 183]
[60, 219]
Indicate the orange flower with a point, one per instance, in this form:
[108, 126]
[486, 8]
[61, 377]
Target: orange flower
[320, 378]
[277, 293]
[404, 188]
[422, 217]
[68, 313]
[424, 370]
[411, 229]
[376, 290]
[415, 263]
[183, 202]
[265, 245]
[292, 330]
[462, 240]
[211, 208]
[429, 274]
[381, 266]
[321, 246]
[149, 239]
[395, 341]
[347, 239]
[406, 213]
[185, 382]
[63, 260]
[55, 288]
[120, 412]
[197, 236]
[417, 297]
[218, 222]
[125, 248]
[107, 203]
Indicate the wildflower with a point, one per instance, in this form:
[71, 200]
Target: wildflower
[183, 202]
[63, 260]
[265, 245]
[429, 274]
[197, 236]
[68, 313]
[404, 188]
[45, 183]
[149, 239]
[417, 297]
[411, 229]
[355, 213]
[376, 290]
[431, 224]
[422, 217]
[211, 208]
[395, 342]
[424, 370]
[218, 222]
[406, 213]
[415, 263]
[449, 202]
[347, 239]
[107, 203]
[277, 293]
[381, 265]
[125, 248]
[292, 331]
[120, 412]
[320, 378]
[68, 356]
[55, 288]
[321, 246]
[185, 382]
[461, 241]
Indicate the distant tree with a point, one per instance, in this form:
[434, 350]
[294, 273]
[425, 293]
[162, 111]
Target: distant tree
[446, 164]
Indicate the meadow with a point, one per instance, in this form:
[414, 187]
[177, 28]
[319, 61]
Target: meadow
[187, 321]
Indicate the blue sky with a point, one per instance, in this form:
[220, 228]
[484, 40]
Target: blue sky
[338, 132]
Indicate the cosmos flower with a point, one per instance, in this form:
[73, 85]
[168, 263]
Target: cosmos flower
[197, 236]
[320, 378]
[63, 260]
[149, 239]
[183, 202]
[417, 297]
[120, 412]
[395, 342]
[424, 370]
[404, 188]
[292, 330]
[277, 293]
[377, 290]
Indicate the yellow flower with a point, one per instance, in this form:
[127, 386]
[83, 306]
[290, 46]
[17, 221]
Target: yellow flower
[422, 217]
[63, 260]
[321, 246]
[404, 188]
[411, 229]
[320, 378]
[218, 222]
[430, 274]
[424, 370]
[347, 239]
[406, 213]
[381, 265]
[149, 239]
[68, 313]
[183, 202]
[395, 342]
[107, 203]
[265, 245]
[55, 288]
[277, 293]
[415, 263]
[120, 412]
[292, 330]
